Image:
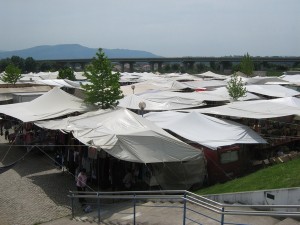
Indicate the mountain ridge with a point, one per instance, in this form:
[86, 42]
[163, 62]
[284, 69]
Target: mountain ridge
[72, 51]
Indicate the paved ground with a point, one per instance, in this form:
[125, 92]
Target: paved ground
[33, 191]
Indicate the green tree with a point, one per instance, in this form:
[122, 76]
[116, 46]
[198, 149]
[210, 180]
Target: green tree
[45, 66]
[236, 67]
[201, 67]
[4, 63]
[235, 87]
[66, 73]
[30, 64]
[12, 74]
[167, 68]
[104, 88]
[18, 62]
[247, 65]
[175, 67]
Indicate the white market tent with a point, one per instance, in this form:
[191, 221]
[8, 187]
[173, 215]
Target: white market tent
[48, 75]
[264, 80]
[127, 136]
[260, 109]
[159, 102]
[52, 104]
[199, 84]
[196, 96]
[205, 130]
[272, 90]
[65, 124]
[161, 84]
[180, 76]
[222, 91]
[31, 89]
[213, 75]
[57, 83]
[168, 100]
[294, 79]
[130, 137]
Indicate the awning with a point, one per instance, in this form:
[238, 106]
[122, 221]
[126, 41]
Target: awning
[205, 130]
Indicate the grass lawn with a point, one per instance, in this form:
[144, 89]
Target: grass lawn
[284, 175]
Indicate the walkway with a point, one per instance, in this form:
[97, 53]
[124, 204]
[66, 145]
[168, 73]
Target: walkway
[33, 191]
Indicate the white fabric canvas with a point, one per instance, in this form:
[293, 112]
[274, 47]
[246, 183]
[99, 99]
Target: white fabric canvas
[272, 90]
[52, 104]
[128, 136]
[260, 109]
[205, 130]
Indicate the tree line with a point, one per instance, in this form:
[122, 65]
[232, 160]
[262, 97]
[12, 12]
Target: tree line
[29, 64]
[103, 89]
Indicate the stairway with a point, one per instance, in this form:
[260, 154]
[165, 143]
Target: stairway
[171, 213]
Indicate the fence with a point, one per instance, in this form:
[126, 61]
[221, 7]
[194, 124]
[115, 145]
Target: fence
[187, 200]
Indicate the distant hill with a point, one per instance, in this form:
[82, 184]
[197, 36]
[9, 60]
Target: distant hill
[72, 51]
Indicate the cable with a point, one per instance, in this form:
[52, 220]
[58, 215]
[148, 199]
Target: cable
[61, 165]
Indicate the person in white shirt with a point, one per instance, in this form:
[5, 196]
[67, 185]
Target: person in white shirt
[81, 183]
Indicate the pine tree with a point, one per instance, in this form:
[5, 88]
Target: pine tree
[104, 88]
[235, 87]
[12, 74]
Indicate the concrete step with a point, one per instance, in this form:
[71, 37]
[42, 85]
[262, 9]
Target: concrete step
[171, 213]
[288, 221]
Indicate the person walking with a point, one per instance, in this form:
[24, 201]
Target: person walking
[81, 183]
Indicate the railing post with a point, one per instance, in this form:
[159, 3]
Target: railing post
[184, 208]
[98, 204]
[222, 216]
[134, 205]
[72, 205]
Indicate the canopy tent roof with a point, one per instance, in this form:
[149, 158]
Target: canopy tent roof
[18, 89]
[57, 82]
[180, 76]
[272, 90]
[168, 100]
[150, 85]
[47, 75]
[259, 109]
[196, 96]
[128, 136]
[54, 103]
[160, 102]
[205, 84]
[294, 79]
[66, 123]
[205, 130]
[265, 80]
[141, 77]
[213, 75]
[222, 91]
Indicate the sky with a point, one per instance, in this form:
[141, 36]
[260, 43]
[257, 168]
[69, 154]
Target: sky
[169, 28]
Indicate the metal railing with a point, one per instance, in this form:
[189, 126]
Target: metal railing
[201, 205]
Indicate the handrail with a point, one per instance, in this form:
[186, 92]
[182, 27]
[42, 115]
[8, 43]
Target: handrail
[207, 199]
[200, 202]
[185, 197]
[131, 192]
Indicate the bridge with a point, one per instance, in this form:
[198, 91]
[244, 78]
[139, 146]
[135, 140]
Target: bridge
[188, 62]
